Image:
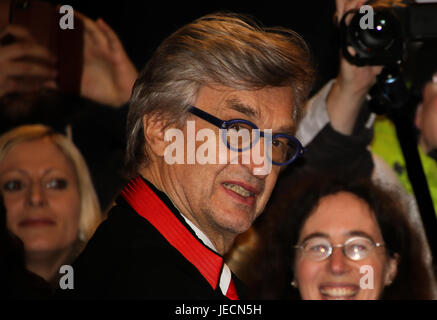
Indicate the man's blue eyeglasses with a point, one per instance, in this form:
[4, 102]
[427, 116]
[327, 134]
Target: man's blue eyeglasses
[285, 148]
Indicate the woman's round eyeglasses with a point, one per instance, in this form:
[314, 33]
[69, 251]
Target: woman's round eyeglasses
[355, 248]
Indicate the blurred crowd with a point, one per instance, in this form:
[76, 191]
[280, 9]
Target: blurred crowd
[345, 204]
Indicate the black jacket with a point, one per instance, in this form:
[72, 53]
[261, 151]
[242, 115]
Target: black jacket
[128, 258]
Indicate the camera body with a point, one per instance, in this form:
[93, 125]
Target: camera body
[384, 42]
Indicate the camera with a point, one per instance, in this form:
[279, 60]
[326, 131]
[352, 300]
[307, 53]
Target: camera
[384, 41]
[390, 37]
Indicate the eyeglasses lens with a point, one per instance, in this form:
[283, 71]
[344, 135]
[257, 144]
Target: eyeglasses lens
[356, 249]
[240, 136]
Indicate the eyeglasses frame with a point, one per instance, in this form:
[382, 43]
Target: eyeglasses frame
[343, 246]
[225, 124]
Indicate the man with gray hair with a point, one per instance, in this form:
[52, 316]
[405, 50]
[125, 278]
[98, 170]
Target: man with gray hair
[216, 77]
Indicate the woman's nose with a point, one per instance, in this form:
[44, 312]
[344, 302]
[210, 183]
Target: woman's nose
[36, 195]
[338, 263]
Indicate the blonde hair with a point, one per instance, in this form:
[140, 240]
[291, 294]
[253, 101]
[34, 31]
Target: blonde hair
[90, 213]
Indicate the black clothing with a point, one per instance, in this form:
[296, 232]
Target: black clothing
[128, 258]
[16, 282]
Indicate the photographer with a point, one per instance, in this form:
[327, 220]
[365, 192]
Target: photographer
[339, 103]
[342, 105]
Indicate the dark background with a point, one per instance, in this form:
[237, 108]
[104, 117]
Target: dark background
[142, 25]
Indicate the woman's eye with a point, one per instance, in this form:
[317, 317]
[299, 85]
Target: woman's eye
[319, 248]
[58, 184]
[358, 248]
[13, 185]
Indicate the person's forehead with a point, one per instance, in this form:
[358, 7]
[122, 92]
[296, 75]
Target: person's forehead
[339, 214]
[271, 103]
[40, 154]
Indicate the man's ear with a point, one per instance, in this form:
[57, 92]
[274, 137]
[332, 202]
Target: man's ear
[154, 131]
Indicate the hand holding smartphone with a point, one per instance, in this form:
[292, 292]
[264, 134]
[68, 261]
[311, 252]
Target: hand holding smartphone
[35, 51]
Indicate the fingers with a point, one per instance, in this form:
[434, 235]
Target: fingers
[23, 46]
[51, 84]
[117, 49]
[344, 6]
[24, 65]
[94, 34]
[26, 77]
[377, 70]
[28, 69]
[102, 36]
[18, 85]
[111, 37]
[19, 32]
[21, 50]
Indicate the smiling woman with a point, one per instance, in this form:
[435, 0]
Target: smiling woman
[337, 239]
[50, 202]
[342, 220]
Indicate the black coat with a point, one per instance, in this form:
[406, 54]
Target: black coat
[128, 258]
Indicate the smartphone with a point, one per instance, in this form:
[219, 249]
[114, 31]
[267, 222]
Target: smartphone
[42, 20]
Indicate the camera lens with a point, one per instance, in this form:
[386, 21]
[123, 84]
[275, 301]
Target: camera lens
[377, 39]
[382, 33]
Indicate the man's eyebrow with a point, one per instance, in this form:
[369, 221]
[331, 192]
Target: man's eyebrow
[237, 105]
[290, 130]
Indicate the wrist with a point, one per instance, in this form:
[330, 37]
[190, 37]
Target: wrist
[349, 98]
[343, 109]
[349, 90]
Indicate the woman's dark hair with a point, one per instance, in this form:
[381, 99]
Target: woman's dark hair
[287, 213]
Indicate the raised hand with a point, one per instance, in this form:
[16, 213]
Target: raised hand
[108, 73]
[25, 65]
[352, 83]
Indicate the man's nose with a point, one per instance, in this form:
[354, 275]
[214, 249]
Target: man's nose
[258, 159]
[338, 262]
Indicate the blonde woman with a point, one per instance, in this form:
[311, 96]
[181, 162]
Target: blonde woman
[51, 204]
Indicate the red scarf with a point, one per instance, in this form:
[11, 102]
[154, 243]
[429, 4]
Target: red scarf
[148, 205]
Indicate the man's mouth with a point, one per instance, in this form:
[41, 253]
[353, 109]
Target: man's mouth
[238, 189]
[338, 292]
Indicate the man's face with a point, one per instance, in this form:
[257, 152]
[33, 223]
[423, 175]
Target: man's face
[224, 199]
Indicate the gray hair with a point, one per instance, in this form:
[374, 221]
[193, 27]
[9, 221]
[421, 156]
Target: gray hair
[225, 49]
